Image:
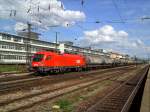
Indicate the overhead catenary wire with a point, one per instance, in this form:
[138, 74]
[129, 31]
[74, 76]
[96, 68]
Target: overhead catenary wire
[117, 9]
[127, 20]
[121, 21]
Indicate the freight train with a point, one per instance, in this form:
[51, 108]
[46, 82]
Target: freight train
[48, 61]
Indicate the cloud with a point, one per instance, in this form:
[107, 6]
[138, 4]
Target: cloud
[107, 37]
[20, 26]
[43, 13]
[105, 34]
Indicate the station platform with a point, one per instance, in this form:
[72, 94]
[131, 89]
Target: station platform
[145, 104]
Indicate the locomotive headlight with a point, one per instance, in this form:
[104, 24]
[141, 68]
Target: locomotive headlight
[35, 65]
[78, 61]
[38, 64]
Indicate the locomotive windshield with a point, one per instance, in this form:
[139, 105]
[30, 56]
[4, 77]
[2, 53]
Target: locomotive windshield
[38, 57]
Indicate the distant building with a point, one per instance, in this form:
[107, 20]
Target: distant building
[13, 47]
[100, 50]
[114, 55]
[66, 42]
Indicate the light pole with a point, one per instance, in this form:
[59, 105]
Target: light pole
[135, 58]
[28, 47]
[56, 40]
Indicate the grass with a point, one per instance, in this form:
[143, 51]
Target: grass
[68, 103]
[11, 68]
[65, 105]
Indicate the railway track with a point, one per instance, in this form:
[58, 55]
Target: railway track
[9, 74]
[30, 81]
[4, 77]
[120, 99]
[31, 99]
[13, 76]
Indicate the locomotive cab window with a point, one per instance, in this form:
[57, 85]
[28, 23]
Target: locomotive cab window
[38, 57]
[48, 57]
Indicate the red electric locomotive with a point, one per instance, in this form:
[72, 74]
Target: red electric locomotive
[47, 61]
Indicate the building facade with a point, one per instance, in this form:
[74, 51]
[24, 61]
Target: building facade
[13, 48]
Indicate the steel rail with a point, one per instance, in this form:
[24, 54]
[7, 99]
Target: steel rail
[63, 91]
[5, 86]
[46, 91]
[128, 103]
[97, 105]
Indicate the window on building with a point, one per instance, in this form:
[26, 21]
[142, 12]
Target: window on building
[18, 47]
[11, 47]
[4, 46]
[17, 39]
[6, 37]
[25, 40]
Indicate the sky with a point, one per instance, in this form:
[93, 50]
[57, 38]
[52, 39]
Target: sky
[114, 25]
